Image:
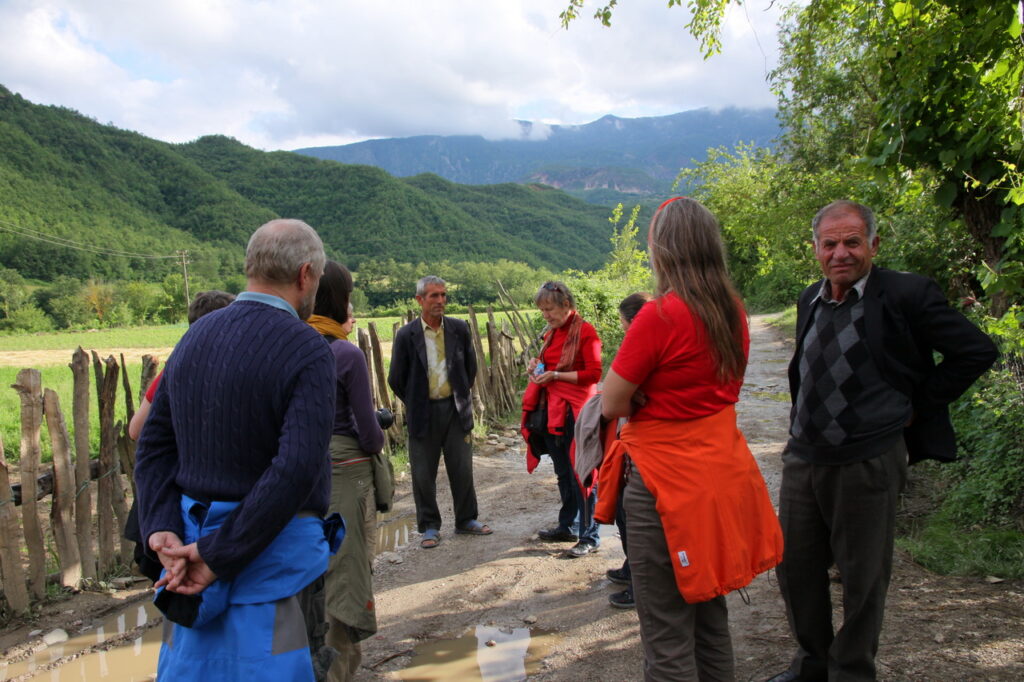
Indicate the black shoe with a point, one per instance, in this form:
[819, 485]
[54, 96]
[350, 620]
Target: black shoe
[556, 535]
[787, 676]
[581, 548]
[622, 600]
[618, 576]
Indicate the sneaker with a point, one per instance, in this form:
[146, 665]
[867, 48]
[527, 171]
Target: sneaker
[622, 600]
[581, 548]
[556, 535]
[618, 576]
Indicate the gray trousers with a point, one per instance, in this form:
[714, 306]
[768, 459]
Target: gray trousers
[681, 641]
[445, 435]
[844, 514]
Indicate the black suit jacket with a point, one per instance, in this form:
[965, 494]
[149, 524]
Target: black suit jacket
[408, 374]
[906, 320]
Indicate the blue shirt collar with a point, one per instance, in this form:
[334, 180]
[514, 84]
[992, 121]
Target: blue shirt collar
[268, 299]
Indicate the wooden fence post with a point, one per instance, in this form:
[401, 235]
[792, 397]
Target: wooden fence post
[10, 546]
[61, 511]
[150, 368]
[83, 495]
[378, 375]
[481, 386]
[110, 496]
[30, 389]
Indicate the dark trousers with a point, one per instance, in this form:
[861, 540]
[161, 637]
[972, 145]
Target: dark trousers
[843, 514]
[577, 512]
[620, 523]
[445, 435]
[681, 641]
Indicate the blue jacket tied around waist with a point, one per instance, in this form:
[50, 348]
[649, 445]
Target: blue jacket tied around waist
[249, 627]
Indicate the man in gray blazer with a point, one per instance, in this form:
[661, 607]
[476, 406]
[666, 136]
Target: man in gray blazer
[433, 366]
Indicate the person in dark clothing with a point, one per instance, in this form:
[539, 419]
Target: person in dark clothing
[433, 366]
[866, 395]
[233, 473]
[628, 308]
[356, 444]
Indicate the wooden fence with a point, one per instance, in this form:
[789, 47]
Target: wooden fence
[86, 539]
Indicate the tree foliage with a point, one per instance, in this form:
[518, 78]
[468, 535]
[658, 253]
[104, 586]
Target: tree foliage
[916, 86]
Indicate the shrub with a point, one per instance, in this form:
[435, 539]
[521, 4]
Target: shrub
[28, 318]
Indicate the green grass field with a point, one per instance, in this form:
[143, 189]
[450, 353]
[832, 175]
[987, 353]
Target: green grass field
[55, 350]
[162, 336]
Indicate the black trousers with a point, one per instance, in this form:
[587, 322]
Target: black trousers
[844, 514]
[445, 435]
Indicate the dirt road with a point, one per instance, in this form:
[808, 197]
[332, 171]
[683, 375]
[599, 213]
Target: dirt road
[937, 628]
[504, 606]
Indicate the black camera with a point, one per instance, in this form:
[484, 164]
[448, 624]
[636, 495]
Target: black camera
[385, 418]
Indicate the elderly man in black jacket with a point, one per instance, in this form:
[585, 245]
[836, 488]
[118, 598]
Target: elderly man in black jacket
[867, 397]
[433, 366]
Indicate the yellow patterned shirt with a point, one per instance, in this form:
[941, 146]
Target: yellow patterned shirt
[437, 369]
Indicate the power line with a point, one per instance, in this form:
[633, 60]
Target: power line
[71, 244]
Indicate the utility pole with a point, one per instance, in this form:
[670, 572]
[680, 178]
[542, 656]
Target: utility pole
[184, 271]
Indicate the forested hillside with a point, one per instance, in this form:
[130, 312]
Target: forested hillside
[66, 178]
[364, 213]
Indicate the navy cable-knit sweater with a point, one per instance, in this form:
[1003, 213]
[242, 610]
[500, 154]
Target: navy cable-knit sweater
[243, 413]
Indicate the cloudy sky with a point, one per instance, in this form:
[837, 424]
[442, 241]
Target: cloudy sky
[283, 74]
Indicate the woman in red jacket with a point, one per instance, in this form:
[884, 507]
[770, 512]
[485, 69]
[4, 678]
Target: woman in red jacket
[561, 380]
[699, 519]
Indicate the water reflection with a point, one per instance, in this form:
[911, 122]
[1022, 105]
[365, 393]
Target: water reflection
[486, 653]
[130, 662]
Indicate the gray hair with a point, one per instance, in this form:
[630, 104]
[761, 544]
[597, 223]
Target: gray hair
[279, 249]
[429, 280]
[866, 215]
[556, 292]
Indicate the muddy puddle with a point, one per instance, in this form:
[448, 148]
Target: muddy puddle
[485, 654]
[133, 660]
[393, 533]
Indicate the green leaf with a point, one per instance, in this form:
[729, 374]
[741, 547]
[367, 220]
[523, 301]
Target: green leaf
[1016, 195]
[946, 193]
[1015, 27]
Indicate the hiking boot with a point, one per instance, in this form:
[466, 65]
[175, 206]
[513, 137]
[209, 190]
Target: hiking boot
[622, 600]
[618, 576]
[556, 535]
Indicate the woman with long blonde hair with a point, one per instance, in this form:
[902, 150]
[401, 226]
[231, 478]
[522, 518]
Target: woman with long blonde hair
[699, 519]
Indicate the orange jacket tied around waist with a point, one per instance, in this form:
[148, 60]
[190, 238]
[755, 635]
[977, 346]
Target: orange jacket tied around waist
[720, 527]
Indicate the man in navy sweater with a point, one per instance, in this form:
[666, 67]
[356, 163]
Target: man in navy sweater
[233, 474]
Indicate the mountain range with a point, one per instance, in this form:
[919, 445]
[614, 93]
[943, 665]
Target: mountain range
[605, 160]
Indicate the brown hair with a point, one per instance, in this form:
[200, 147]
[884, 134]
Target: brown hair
[688, 258]
[332, 295]
[206, 302]
[631, 305]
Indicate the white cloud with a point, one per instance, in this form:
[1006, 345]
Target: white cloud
[280, 75]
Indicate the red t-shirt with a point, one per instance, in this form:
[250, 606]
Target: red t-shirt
[666, 353]
[151, 391]
[588, 358]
